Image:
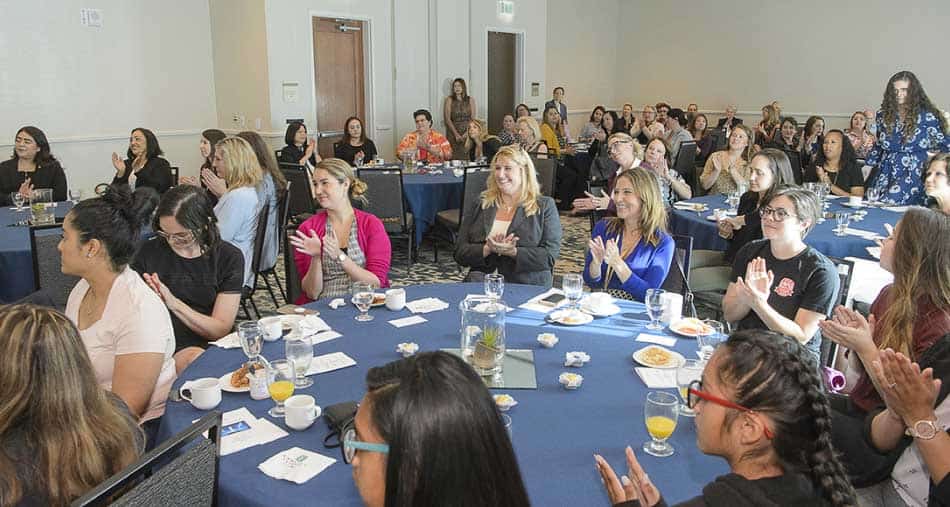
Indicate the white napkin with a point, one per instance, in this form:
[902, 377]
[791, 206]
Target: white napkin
[230, 341]
[257, 432]
[690, 206]
[295, 465]
[666, 341]
[426, 305]
[330, 362]
[868, 235]
[897, 209]
[656, 378]
[577, 359]
[533, 305]
[874, 251]
[311, 324]
[336, 303]
[325, 336]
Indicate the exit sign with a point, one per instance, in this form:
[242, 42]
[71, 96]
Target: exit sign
[506, 8]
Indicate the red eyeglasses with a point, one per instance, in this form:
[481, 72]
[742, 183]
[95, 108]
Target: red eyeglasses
[696, 393]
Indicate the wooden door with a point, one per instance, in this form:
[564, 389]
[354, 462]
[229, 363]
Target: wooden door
[338, 74]
[501, 77]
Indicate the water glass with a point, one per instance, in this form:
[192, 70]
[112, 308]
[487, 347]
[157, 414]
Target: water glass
[660, 415]
[40, 206]
[75, 195]
[299, 349]
[654, 304]
[18, 201]
[708, 342]
[363, 299]
[358, 160]
[573, 287]
[252, 338]
[733, 201]
[870, 194]
[841, 219]
[494, 285]
[688, 371]
[280, 384]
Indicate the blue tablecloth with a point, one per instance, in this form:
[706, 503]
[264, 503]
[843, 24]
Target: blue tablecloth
[555, 432]
[428, 194]
[16, 263]
[822, 237]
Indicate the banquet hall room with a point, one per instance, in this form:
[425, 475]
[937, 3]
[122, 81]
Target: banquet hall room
[238, 237]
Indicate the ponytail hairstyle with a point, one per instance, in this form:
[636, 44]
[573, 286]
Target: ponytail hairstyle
[212, 136]
[192, 209]
[777, 377]
[342, 171]
[115, 218]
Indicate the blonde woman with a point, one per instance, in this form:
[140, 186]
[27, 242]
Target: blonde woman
[479, 143]
[529, 135]
[645, 127]
[512, 229]
[61, 434]
[726, 170]
[339, 245]
[553, 133]
[236, 162]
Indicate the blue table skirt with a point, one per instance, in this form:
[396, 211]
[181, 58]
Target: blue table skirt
[428, 194]
[16, 263]
[555, 432]
[822, 237]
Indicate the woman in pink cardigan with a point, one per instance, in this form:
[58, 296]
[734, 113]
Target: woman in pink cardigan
[339, 245]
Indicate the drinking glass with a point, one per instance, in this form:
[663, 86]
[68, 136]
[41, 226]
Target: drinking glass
[359, 160]
[75, 195]
[280, 384]
[688, 371]
[252, 338]
[494, 285]
[573, 287]
[841, 219]
[733, 201]
[707, 342]
[18, 201]
[654, 304]
[660, 415]
[363, 299]
[299, 349]
[870, 195]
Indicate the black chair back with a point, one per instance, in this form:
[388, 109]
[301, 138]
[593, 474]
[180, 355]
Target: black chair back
[283, 211]
[546, 169]
[685, 163]
[277, 154]
[474, 182]
[260, 234]
[795, 160]
[47, 264]
[182, 471]
[845, 268]
[174, 170]
[300, 195]
[384, 191]
[677, 279]
[291, 275]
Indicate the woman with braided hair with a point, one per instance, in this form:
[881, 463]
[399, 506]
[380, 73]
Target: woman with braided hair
[760, 405]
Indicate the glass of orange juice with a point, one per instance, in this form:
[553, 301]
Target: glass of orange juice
[280, 384]
[660, 413]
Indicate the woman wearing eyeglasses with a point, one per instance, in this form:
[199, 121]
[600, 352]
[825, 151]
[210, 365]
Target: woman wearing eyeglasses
[627, 154]
[197, 276]
[404, 455]
[779, 282]
[761, 407]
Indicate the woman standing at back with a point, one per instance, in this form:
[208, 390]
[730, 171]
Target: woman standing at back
[458, 110]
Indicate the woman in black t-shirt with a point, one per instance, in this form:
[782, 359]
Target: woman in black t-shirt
[779, 282]
[354, 144]
[837, 166]
[198, 276]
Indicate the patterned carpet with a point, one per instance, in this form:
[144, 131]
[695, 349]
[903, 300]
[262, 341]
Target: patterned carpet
[426, 270]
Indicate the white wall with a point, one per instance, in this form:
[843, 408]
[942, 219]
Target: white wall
[816, 57]
[239, 41]
[148, 65]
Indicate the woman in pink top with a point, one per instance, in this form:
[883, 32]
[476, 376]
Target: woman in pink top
[339, 245]
[123, 323]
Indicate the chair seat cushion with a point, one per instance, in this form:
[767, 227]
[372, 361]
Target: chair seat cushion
[395, 227]
[449, 218]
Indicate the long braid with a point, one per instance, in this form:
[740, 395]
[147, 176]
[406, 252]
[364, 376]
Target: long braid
[776, 375]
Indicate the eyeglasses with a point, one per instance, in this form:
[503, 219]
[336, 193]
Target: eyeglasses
[351, 445]
[178, 237]
[695, 393]
[778, 215]
[614, 146]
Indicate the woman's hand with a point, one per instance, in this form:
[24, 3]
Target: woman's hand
[600, 135]
[850, 329]
[758, 280]
[164, 293]
[359, 156]
[26, 188]
[909, 392]
[822, 175]
[597, 250]
[215, 183]
[504, 245]
[635, 485]
[332, 244]
[118, 163]
[612, 253]
[726, 228]
[309, 244]
[311, 146]
[188, 180]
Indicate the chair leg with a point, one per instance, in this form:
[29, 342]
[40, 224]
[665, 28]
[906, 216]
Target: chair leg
[280, 286]
[270, 291]
[247, 314]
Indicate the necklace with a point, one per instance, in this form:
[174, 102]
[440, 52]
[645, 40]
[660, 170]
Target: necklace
[91, 302]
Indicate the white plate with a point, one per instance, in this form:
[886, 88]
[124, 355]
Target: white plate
[576, 318]
[675, 328]
[376, 301]
[225, 382]
[855, 206]
[676, 358]
[606, 311]
[691, 207]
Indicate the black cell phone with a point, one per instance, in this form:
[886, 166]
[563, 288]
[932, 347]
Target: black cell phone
[552, 300]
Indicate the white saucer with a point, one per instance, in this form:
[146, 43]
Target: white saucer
[606, 311]
[575, 318]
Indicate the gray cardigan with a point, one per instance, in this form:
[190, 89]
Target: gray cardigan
[539, 243]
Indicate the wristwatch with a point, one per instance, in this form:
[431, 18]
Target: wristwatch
[341, 257]
[924, 430]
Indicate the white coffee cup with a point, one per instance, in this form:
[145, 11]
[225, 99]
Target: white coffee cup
[854, 200]
[273, 328]
[599, 300]
[205, 393]
[395, 299]
[301, 411]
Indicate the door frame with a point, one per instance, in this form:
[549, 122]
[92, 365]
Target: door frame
[519, 60]
[369, 40]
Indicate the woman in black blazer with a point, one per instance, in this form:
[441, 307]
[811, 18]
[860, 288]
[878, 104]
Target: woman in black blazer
[299, 150]
[143, 165]
[512, 229]
[32, 166]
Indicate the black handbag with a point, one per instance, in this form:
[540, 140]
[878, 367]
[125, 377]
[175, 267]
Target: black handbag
[338, 416]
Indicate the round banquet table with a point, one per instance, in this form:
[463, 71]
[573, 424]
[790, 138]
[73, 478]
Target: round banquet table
[16, 263]
[822, 237]
[428, 194]
[554, 431]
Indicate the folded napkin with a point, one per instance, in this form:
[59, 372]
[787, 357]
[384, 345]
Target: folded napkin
[690, 206]
[533, 304]
[336, 303]
[868, 235]
[311, 324]
[295, 465]
[655, 378]
[576, 358]
[230, 341]
[426, 305]
[240, 430]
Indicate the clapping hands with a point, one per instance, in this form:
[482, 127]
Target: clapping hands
[756, 284]
[503, 245]
[215, 183]
[636, 485]
[850, 329]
